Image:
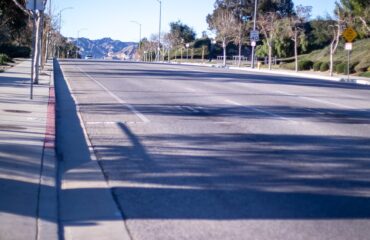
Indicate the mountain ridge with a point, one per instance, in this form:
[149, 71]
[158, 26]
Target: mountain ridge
[105, 48]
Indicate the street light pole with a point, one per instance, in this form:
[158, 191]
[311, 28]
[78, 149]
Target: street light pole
[78, 39]
[159, 33]
[60, 23]
[139, 32]
[254, 28]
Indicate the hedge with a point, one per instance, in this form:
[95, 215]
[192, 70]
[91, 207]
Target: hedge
[317, 66]
[341, 68]
[4, 59]
[305, 65]
[324, 67]
[363, 66]
[15, 51]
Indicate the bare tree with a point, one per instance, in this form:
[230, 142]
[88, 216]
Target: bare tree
[224, 23]
[294, 28]
[38, 21]
[268, 23]
[337, 30]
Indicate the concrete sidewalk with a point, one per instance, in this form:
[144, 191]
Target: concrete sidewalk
[28, 199]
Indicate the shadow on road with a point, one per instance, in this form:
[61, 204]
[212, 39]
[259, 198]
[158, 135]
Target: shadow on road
[114, 70]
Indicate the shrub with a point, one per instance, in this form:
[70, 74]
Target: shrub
[366, 74]
[4, 59]
[305, 65]
[341, 68]
[324, 67]
[288, 66]
[363, 66]
[15, 51]
[317, 65]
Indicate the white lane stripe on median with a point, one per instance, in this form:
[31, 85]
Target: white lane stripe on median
[118, 99]
[260, 110]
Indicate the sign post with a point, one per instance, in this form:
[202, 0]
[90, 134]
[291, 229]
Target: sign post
[349, 35]
[254, 37]
[34, 5]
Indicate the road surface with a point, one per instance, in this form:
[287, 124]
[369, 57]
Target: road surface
[206, 153]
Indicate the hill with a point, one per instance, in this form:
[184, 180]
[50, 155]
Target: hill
[360, 57]
[105, 48]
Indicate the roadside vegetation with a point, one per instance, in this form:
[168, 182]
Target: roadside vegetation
[289, 37]
[318, 60]
[16, 27]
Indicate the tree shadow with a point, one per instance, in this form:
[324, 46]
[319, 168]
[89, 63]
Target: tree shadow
[235, 113]
[239, 176]
[114, 70]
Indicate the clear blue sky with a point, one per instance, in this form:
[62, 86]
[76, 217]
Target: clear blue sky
[111, 18]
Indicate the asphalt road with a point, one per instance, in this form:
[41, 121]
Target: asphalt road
[206, 153]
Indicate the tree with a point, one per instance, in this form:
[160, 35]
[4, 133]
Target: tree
[13, 24]
[38, 21]
[337, 30]
[224, 23]
[361, 11]
[180, 33]
[294, 28]
[318, 34]
[268, 24]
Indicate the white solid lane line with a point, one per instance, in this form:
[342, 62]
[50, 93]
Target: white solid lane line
[260, 110]
[316, 100]
[118, 99]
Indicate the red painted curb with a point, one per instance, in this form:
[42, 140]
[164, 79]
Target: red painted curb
[49, 141]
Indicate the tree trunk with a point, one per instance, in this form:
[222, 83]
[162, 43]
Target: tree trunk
[331, 58]
[33, 50]
[240, 53]
[296, 50]
[38, 45]
[224, 47]
[270, 55]
[203, 49]
[41, 41]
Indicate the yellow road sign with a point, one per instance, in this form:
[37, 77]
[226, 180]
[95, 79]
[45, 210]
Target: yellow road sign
[349, 34]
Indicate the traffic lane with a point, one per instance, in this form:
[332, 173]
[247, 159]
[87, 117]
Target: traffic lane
[141, 127]
[194, 156]
[339, 93]
[245, 100]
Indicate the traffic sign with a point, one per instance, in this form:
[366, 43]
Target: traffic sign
[34, 5]
[349, 34]
[348, 46]
[255, 36]
[253, 43]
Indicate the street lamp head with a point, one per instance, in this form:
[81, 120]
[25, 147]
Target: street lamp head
[64, 9]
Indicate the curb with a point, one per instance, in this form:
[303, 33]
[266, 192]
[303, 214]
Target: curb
[283, 73]
[116, 228]
[47, 222]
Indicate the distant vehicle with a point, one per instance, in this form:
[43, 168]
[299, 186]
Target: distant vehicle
[88, 57]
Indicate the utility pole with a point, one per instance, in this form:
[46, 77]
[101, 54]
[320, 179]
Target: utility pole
[78, 40]
[139, 24]
[60, 24]
[159, 33]
[254, 29]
